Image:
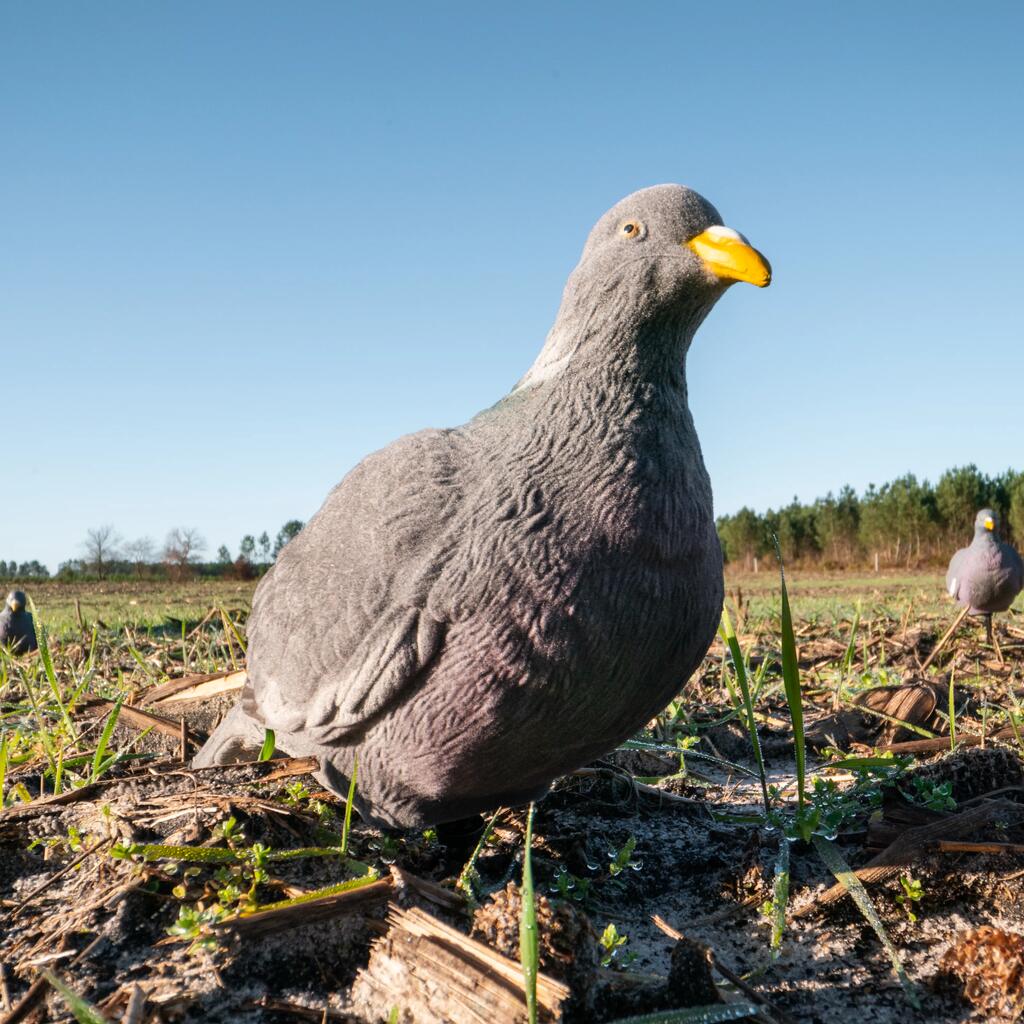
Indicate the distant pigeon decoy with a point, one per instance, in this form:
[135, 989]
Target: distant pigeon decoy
[476, 611]
[983, 578]
[16, 626]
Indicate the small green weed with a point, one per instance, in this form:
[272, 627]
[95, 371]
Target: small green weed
[936, 796]
[911, 894]
[613, 950]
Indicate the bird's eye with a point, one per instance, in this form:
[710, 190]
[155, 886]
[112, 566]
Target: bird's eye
[632, 229]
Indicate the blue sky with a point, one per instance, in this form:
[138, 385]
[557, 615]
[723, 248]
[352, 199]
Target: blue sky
[244, 244]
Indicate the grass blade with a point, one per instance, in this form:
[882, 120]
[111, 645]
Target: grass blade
[468, 874]
[1014, 715]
[104, 741]
[952, 711]
[315, 894]
[347, 824]
[780, 897]
[230, 622]
[729, 636]
[82, 1010]
[529, 953]
[694, 1014]
[852, 884]
[921, 731]
[791, 683]
[267, 750]
[43, 643]
[851, 647]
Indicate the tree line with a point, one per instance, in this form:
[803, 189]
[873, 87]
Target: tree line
[905, 523]
[33, 570]
[107, 555]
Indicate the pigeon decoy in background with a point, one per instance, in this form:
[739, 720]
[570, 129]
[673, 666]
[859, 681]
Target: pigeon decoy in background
[16, 626]
[476, 611]
[983, 578]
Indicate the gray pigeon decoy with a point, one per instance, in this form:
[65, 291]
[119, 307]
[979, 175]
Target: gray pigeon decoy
[16, 626]
[986, 576]
[476, 611]
[983, 578]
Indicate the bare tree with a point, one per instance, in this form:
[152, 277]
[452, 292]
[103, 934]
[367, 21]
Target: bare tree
[141, 551]
[101, 547]
[182, 549]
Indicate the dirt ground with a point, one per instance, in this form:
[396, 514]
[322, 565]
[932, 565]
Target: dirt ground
[160, 893]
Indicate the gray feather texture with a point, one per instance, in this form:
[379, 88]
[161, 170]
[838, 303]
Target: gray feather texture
[476, 611]
[987, 575]
[17, 629]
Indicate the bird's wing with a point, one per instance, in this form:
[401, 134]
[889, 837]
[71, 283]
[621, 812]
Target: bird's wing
[5, 626]
[954, 573]
[349, 617]
[1016, 564]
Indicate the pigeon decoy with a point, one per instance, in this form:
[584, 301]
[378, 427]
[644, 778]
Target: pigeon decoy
[476, 611]
[983, 578]
[16, 627]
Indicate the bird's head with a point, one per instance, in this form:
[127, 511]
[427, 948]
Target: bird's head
[985, 522]
[16, 600]
[653, 265]
[667, 246]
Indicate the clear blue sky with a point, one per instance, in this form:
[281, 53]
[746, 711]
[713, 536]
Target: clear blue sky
[244, 244]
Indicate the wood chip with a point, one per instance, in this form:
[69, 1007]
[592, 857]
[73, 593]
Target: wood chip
[435, 972]
[194, 688]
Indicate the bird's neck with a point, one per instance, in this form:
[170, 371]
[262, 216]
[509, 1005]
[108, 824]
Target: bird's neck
[616, 343]
[617, 398]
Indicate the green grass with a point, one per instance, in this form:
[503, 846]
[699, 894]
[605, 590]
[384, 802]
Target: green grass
[41, 694]
[839, 596]
[139, 605]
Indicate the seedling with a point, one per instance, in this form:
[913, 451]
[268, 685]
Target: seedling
[622, 859]
[612, 945]
[570, 887]
[936, 796]
[911, 894]
[196, 923]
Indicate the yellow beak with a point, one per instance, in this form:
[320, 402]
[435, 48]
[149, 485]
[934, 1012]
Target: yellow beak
[989, 525]
[15, 606]
[727, 255]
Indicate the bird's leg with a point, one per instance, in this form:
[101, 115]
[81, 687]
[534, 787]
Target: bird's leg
[945, 639]
[993, 639]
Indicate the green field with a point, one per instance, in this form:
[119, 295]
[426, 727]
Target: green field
[139, 604]
[838, 594]
[144, 604]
